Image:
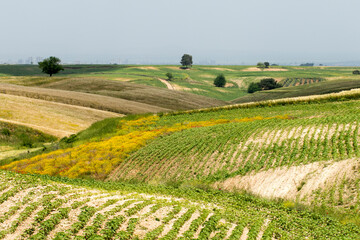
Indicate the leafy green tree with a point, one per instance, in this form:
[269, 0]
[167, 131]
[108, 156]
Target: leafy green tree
[51, 66]
[260, 65]
[253, 87]
[356, 72]
[267, 64]
[220, 81]
[169, 76]
[269, 83]
[186, 61]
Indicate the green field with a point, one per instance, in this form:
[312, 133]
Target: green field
[276, 164]
[197, 80]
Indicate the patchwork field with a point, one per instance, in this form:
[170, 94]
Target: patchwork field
[199, 80]
[277, 169]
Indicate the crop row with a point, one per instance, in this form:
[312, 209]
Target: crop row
[49, 208]
[239, 148]
[299, 81]
[50, 212]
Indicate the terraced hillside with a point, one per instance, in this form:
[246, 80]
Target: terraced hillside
[48, 208]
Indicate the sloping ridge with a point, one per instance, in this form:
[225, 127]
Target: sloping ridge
[320, 88]
[154, 96]
[81, 99]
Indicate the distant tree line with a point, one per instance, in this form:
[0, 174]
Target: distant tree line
[307, 64]
[264, 84]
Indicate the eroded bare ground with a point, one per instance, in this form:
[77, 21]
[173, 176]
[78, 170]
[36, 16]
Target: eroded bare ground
[304, 182]
[54, 211]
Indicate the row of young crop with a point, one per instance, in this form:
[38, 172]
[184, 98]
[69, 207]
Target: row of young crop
[52, 211]
[299, 81]
[239, 148]
[191, 147]
[55, 210]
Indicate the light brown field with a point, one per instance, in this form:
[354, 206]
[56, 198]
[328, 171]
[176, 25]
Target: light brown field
[221, 69]
[255, 69]
[95, 101]
[147, 68]
[53, 118]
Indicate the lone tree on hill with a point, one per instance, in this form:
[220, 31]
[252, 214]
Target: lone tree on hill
[220, 81]
[51, 65]
[186, 61]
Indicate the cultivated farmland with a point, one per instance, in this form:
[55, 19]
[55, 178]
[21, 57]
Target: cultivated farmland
[274, 169]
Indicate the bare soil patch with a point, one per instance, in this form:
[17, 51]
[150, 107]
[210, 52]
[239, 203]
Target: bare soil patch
[290, 182]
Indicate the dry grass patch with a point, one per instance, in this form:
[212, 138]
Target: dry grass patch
[95, 101]
[53, 118]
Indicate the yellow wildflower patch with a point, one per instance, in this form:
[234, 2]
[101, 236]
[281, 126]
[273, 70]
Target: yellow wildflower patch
[98, 159]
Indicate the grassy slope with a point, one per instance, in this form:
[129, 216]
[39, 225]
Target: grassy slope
[18, 136]
[18, 140]
[198, 80]
[43, 207]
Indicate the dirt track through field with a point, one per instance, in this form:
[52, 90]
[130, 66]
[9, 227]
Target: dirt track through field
[168, 85]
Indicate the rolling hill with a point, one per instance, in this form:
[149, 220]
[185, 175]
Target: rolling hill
[276, 169]
[198, 80]
[229, 148]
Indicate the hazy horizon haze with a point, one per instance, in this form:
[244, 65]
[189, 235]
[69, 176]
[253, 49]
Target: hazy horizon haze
[161, 31]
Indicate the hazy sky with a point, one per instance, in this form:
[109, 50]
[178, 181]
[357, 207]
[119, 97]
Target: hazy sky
[156, 31]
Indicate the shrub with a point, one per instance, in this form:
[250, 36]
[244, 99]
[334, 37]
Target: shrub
[253, 87]
[269, 83]
[356, 72]
[169, 76]
[220, 81]
[26, 141]
[5, 132]
[264, 84]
